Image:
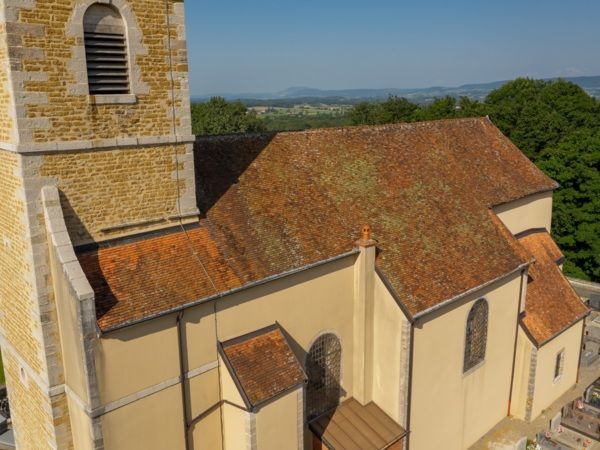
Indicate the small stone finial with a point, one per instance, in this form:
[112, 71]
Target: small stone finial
[366, 240]
[366, 233]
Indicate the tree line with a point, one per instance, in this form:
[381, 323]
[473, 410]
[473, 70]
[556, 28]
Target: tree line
[555, 123]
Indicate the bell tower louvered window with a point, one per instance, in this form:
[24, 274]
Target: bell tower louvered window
[476, 334]
[105, 51]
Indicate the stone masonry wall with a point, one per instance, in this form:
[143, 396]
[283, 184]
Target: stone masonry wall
[50, 77]
[120, 163]
[27, 349]
[6, 108]
[18, 317]
[116, 192]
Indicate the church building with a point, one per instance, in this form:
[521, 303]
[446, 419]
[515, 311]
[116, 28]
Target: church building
[368, 287]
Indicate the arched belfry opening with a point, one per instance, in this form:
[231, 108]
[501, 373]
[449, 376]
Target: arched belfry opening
[323, 368]
[106, 50]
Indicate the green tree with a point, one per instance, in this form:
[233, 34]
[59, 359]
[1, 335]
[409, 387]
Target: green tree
[536, 114]
[575, 164]
[395, 109]
[218, 116]
[467, 107]
[363, 113]
[440, 108]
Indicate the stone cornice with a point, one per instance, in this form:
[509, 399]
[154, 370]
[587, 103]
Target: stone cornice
[97, 144]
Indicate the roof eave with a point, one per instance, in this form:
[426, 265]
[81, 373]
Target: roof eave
[540, 344]
[464, 294]
[219, 295]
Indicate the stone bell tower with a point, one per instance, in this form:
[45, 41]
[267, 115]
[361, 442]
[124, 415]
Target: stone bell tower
[94, 102]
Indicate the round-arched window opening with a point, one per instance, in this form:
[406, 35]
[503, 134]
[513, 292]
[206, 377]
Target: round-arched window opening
[323, 368]
[105, 50]
[476, 335]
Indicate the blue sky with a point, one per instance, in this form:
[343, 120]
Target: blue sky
[268, 45]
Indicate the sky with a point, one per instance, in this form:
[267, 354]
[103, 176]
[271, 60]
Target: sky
[259, 46]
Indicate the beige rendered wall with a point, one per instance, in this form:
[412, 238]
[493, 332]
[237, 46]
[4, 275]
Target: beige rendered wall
[277, 423]
[150, 350]
[71, 339]
[522, 376]
[546, 389]
[449, 409]
[206, 433]
[388, 370]
[533, 211]
[305, 304]
[81, 426]
[204, 410]
[235, 418]
[151, 423]
[71, 336]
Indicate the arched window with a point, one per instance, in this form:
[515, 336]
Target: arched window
[476, 334]
[323, 365]
[105, 50]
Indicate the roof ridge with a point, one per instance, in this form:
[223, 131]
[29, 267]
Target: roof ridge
[394, 125]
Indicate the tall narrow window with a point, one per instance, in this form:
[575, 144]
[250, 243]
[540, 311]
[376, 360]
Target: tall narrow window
[323, 365]
[105, 50]
[476, 334]
[558, 365]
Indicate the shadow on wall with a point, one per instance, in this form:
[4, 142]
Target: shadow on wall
[78, 232]
[220, 161]
[85, 247]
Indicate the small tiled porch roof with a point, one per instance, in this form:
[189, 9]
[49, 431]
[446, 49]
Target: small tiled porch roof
[352, 426]
[262, 365]
[551, 305]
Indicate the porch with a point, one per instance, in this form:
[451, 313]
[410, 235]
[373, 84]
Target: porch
[352, 426]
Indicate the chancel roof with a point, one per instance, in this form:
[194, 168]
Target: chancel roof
[274, 203]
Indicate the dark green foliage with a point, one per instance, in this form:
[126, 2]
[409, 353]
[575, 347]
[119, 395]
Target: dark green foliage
[575, 164]
[363, 113]
[442, 108]
[394, 109]
[218, 116]
[536, 114]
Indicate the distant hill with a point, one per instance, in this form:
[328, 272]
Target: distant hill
[420, 95]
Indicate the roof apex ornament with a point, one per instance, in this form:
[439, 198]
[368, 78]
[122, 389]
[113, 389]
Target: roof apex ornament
[365, 240]
[366, 232]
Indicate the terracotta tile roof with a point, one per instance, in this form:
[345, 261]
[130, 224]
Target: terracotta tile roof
[133, 280]
[275, 203]
[262, 364]
[287, 200]
[551, 305]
